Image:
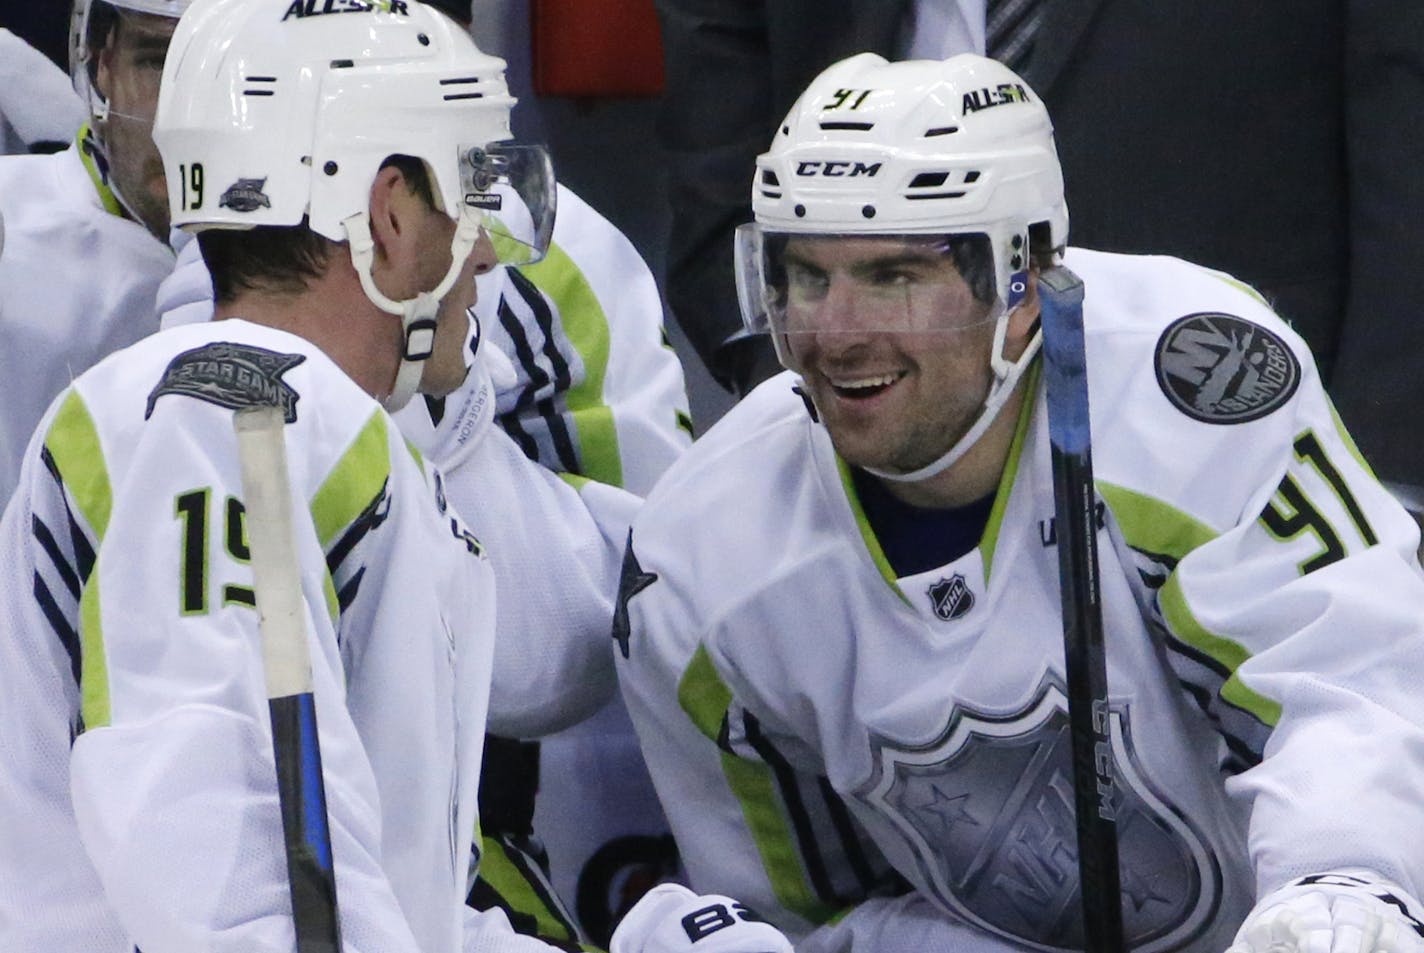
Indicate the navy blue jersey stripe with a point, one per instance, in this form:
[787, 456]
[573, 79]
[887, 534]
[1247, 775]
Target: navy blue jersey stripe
[795, 810]
[850, 839]
[62, 626]
[372, 516]
[47, 542]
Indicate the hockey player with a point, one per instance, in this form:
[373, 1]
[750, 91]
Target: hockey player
[851, 692]
[597, 397]
[85, 227]
[138, 810]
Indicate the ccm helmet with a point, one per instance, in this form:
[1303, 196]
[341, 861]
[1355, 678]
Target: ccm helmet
[273, 112]
[923, 151]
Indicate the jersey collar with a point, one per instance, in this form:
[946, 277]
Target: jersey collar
[97, 166]
[989, 540]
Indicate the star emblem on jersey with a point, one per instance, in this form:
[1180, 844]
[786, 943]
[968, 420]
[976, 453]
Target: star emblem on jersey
[632, 581]
[231, 375]
[951, 598]
[1221, 369]
[245, 195]
[985, 813]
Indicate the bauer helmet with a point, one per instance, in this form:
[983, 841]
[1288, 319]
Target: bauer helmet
[918, 150]
[281, 112]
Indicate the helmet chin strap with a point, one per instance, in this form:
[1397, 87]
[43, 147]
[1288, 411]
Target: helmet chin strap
[1006, 376]
[419, 314]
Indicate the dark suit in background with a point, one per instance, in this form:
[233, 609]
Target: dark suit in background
[1282, 142]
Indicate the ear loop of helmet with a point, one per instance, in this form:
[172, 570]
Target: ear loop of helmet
[418, 314]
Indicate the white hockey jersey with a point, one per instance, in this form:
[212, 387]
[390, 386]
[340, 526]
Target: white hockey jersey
[599, 398]
[138, 801]
[823, 734]
[77, 282]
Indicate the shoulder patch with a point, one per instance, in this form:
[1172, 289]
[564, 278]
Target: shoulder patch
[1221, 369]
[231, 375]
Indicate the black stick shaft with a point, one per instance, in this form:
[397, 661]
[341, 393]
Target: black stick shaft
[1076, 517]
[304, 824]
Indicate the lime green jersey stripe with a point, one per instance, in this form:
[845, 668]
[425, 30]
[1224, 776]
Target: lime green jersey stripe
[587, 328]
[867, 533]
[73, 444]
[1152, 526]
[1231, 654]
[354, 482]
[106, 194]
[705, 697]
[506, 879]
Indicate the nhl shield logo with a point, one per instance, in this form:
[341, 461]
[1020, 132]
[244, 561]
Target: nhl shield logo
[984, 813]
[951, 597]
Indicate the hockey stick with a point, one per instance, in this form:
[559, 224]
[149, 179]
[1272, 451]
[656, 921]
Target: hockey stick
[1065, 373]
[277, 579]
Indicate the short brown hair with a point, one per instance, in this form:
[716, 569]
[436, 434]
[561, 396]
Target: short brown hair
[284, 259]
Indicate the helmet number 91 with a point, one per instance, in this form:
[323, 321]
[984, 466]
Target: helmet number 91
[191, 186]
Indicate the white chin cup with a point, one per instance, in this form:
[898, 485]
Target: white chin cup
[1006, 376]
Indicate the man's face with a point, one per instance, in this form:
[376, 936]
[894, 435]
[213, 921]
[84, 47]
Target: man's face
[891, 344]
[130, 66]
[445, 370]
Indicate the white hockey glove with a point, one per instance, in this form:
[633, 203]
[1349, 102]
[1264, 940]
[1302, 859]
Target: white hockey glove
[672, 919]
[1341, 912]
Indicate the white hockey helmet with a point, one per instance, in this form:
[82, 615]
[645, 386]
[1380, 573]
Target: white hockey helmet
[916, 150]
[273, 111]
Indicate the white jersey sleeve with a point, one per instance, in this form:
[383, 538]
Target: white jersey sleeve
[77, 282]
[139, 791]
[37, 100]
[601, 392]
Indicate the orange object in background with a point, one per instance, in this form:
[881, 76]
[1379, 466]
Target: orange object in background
[596, 48]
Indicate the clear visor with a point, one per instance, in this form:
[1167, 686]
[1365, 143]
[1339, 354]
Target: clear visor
[511, 188]
[794, 284]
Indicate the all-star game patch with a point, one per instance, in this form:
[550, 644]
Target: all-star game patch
[1221, 369]
[232, 376]
[245, 195]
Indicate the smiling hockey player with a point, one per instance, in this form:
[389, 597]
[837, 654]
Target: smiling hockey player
[852, 693]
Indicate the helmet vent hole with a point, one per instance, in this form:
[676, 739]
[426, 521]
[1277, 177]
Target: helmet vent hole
[971, 177]
[928, 180]
[768, 177]
[940, 131]
[848, 126]
[342, 64]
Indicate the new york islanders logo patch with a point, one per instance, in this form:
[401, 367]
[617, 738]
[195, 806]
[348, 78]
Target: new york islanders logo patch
[1221, 369]
[232, 376]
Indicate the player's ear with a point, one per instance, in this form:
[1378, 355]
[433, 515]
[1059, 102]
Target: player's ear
[395, 212]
